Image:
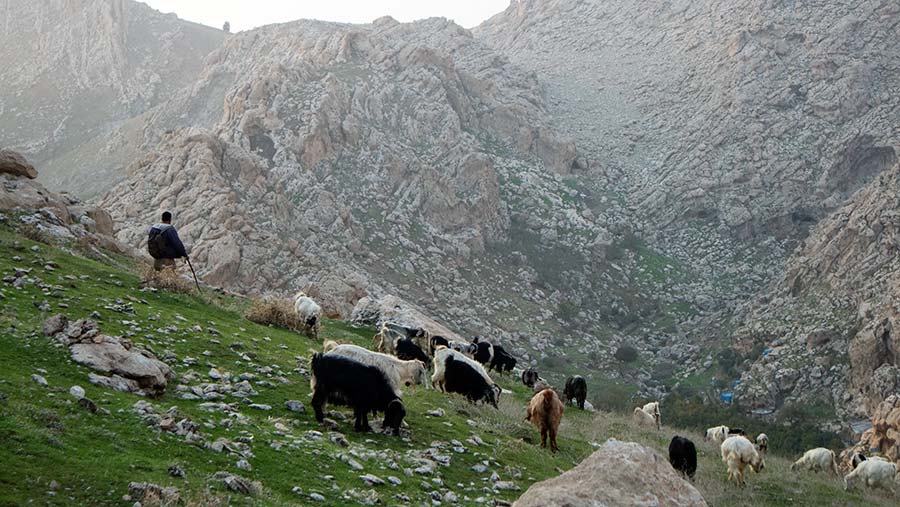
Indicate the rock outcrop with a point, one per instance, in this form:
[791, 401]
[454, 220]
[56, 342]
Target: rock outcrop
[619, 473]
[132, 369]
[15, 164]
[846, 276]
[883, 438]
[56, 216]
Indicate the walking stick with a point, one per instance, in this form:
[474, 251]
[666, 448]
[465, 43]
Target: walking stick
[188, 259]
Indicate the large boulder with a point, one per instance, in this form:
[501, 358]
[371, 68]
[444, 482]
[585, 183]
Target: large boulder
[14, 163]
[132, 369]
[111, 355]
[619, 473]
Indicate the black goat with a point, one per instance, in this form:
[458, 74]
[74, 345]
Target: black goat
[407, 350]
[484, 351]
[683, 456]
[438, 340]
[363, 387]
[530, 377]
[502, 360]
[737, 431]
[576, 390]
[460, 377]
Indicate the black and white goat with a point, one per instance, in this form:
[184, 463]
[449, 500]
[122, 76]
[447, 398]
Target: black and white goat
[460, 377]
[364, 388]
[502, 360]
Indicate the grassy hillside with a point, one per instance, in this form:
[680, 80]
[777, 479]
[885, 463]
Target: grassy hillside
[55, 452]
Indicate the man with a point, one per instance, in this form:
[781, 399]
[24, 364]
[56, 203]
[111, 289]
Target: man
[164, 244]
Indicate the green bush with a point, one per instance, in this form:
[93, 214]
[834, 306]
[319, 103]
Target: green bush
[566, 310]
[626, 354]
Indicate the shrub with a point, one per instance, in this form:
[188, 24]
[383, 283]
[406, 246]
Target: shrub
[626, 354]
[274, 312]
[567, 310]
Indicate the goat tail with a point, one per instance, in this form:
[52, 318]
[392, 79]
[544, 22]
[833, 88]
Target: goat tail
[548, 407]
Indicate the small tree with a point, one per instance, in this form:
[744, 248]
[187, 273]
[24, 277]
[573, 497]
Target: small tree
[227, 27]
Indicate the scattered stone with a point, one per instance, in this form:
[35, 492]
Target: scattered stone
[439, 412]
[260, 406]
[176, 471]
[238, 484]
[372, 479]
[41, 381]
[294, 406]
[351, 462]
[340, 439]
[244, 465]
[76, 392]
[317, 497]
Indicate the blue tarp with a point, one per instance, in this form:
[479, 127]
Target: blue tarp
[727, 397]
[766, 351]
[736, 383]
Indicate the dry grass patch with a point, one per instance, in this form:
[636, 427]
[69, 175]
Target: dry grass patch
[275, 312]
[166, 279]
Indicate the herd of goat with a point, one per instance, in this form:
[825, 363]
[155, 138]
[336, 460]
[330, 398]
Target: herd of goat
[371, 381]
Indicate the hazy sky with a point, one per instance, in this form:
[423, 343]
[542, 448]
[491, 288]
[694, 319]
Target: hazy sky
[246, 14]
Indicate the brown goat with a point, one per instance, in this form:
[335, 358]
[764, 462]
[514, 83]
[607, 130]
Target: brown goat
[545, 412]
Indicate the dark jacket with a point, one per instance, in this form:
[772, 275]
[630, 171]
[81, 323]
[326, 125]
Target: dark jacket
[174, 247]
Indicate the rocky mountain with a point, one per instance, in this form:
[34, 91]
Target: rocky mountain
[570, 177]
[832, 319]
[389, 158]
[761, 118]
[83, 69]
[758, 115]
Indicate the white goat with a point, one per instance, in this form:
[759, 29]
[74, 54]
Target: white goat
[400, 373]
[717, 434]
[642, 418]
[873, 473]
[762, 443]
[652, 408]
[310, 312]
[737, 453]
[819, 459]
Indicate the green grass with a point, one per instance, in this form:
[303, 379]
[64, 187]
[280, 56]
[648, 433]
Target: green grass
[48, 437]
